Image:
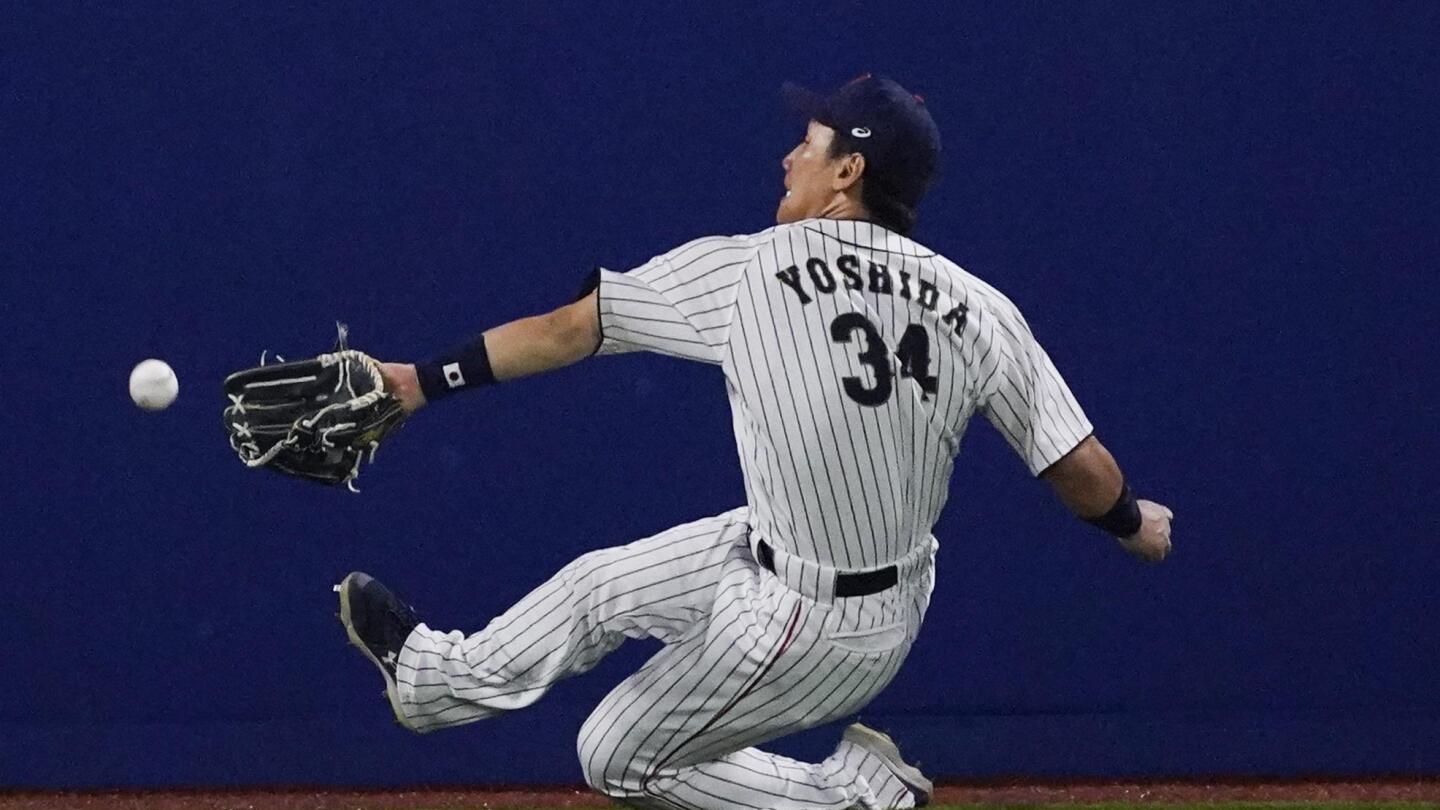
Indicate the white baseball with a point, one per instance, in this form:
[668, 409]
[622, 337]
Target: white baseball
[153, 385]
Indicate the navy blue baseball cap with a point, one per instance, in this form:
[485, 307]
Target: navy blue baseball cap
[887, 124]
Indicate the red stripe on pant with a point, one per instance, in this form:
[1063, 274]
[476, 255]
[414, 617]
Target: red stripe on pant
[790, 628]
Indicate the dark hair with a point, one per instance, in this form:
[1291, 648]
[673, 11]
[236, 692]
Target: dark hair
[885, 208]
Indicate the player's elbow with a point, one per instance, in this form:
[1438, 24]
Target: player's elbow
[575, 328]
[1086, 479]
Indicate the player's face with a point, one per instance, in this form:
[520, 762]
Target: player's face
[809, 176]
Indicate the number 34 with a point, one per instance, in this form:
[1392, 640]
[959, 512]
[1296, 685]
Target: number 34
[913, 354]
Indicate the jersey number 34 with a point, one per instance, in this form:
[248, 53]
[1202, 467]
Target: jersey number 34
[913, 353]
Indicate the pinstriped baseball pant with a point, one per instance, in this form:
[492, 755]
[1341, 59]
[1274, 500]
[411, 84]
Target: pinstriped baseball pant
[746, 660]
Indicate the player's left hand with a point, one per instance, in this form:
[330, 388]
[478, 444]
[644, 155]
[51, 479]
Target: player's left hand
[402, 381]
[1152, 542]
[317, 420]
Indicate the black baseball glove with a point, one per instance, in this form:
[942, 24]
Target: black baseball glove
[313, 419]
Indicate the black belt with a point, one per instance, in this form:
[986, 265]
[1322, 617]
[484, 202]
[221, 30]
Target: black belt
[862, 584]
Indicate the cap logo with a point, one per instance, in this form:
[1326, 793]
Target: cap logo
[860, 132]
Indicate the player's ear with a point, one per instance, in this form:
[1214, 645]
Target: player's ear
[852, 166]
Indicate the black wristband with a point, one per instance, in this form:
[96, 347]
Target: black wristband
[466, 367]
[1123, 519]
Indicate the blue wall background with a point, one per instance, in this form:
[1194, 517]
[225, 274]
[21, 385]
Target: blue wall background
[1222, 222]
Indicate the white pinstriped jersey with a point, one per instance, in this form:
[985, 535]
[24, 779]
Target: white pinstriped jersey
[853, 359]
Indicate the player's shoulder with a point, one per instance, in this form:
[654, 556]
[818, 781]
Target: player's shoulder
[732, 245]
[992, 311]
[978, 289]
[884, 245]
[955, 279]
[857, 233]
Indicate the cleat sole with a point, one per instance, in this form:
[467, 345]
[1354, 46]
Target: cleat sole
[880, 744]
[391, 692]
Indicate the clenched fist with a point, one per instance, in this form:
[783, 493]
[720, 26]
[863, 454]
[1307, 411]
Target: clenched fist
[1152, 542]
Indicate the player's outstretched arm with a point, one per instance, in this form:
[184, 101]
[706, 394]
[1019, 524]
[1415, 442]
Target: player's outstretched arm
[517, 349]
[1090, 484]
[545, 342]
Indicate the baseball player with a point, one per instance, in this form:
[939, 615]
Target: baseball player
[853, 360]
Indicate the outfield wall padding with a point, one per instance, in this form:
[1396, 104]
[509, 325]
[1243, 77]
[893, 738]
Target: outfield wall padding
[1219, 221]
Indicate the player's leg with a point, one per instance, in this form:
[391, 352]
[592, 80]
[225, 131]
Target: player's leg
[677, 734]
[865, 771]
[660, 587]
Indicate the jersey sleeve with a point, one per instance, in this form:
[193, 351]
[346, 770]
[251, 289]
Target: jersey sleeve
[1027, 400]
[680, 303]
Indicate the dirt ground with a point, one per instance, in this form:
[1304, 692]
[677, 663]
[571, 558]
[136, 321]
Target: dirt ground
[1392, 790]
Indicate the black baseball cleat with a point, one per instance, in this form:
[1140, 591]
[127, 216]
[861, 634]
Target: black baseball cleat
[377, 623]
[880, 744]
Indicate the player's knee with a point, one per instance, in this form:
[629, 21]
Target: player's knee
[608, 768]
[595, 765]
[588, 580]
[581, 570]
